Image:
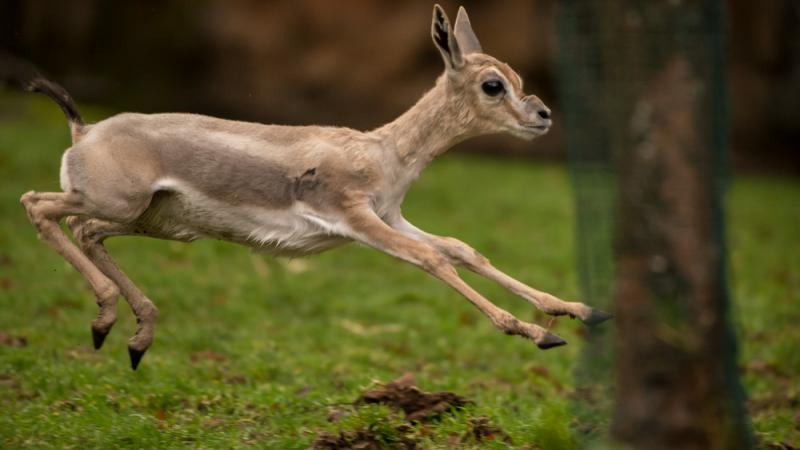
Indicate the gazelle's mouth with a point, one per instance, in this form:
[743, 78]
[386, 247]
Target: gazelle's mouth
[536, 127]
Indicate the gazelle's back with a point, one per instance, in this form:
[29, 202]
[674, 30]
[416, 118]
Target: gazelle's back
[256, 162]
[163, 171]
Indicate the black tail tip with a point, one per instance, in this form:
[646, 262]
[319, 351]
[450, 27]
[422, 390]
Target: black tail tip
[136, 357]
[98, 337]
[550, 340]
[58, 94]
[597, 316]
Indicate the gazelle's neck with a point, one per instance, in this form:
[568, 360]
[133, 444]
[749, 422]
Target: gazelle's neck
[434, 124]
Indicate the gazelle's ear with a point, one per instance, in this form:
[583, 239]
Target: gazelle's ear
[467, 41]
[443, 37]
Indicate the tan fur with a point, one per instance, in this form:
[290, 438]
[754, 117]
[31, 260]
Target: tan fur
[287, 190]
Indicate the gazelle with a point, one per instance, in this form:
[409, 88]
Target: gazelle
[289, 190]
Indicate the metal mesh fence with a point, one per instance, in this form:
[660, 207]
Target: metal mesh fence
[643, 90]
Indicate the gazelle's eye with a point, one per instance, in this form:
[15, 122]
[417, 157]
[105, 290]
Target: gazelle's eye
[492, 88]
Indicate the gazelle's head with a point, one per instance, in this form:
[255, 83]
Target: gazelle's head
[490, 89]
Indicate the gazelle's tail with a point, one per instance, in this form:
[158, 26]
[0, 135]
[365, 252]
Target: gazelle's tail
[60, 96]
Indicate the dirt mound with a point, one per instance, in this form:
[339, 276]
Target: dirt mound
[418, 407]
[402, 394]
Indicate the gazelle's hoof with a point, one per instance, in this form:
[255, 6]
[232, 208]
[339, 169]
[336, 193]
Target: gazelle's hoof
[596, 316]
[550, 340]
[98, 337]
[136, 357]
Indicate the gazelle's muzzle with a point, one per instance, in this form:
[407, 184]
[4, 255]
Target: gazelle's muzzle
[534, 106]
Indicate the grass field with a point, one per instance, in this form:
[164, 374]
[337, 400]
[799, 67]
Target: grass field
[250, 350]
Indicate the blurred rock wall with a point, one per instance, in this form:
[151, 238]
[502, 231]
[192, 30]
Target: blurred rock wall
[358, 63]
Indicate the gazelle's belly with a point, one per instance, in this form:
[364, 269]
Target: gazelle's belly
[181, 214]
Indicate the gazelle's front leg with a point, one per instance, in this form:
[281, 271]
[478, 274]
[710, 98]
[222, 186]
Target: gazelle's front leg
[461, 254]
[368, 228]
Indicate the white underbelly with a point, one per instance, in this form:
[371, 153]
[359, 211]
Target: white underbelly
[181, 214]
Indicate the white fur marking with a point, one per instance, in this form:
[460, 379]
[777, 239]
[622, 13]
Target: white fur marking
[66, 186]
[297, 230]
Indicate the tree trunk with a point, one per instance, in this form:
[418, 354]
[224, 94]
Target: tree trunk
[677, 382]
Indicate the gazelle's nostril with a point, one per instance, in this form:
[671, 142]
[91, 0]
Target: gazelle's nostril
[544, 114]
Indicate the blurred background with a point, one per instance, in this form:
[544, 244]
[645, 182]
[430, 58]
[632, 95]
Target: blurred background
[359, 63]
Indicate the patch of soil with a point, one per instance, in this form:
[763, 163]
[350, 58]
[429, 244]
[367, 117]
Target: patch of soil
[418, 406]
[363, 439]
[481, 430]
[402, 394]
[12, 341]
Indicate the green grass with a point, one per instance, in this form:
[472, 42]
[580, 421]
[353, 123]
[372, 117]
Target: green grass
[250, 350]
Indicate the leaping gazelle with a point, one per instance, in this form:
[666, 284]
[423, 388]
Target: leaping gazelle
[289, 190]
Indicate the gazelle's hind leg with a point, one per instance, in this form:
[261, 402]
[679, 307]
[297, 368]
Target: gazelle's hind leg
[90, 233]
[45, 210]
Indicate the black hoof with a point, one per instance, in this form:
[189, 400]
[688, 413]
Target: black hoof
[550, 340]
[136, 357]
[98, 337]
[597, 316]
